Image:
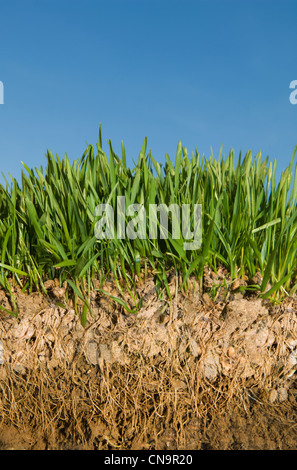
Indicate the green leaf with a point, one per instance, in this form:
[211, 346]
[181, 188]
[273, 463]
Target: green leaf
[269, 266]
[88, 265]
[177, 166]
[268, 224]
[119, 301]
[276, 286]
[63, 264]
[14, 270]
[12, 313]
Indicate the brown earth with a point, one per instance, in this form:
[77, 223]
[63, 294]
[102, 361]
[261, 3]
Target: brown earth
[193, 373]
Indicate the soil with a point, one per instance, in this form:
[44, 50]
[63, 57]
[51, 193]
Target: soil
[199, 372]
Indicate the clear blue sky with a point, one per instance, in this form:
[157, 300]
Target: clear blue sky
[206, 72]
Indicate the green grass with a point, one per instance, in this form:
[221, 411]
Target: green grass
[249, 222]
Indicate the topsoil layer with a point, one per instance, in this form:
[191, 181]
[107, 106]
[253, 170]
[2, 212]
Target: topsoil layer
[188, 374]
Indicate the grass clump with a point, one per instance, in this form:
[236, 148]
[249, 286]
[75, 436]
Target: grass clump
[249, 221]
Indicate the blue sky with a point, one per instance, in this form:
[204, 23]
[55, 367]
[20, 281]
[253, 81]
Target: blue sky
[205, 72]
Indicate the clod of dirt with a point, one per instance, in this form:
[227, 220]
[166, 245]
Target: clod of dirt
[212, 366]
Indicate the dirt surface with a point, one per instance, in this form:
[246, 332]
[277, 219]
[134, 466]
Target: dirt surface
[193, 373]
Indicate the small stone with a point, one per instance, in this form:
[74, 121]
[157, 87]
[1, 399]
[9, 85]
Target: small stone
[50, 337]
[194, 348]
[42, 357]
[49, 284]
[230, 351]
[237, 283]
[282, 394]
[292, 359]
[226, 366]
[256, 280]
[59, 292]
[20, 369]
[1, 353]
[292, 344]
[273, 395]
[212, 366]
[92, 352]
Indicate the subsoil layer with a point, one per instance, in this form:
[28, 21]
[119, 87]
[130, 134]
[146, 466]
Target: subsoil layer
[191, 373]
